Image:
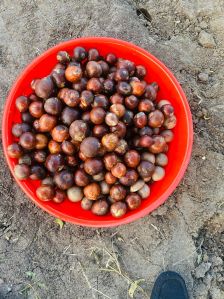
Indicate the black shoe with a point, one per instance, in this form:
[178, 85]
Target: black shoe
[169, 285]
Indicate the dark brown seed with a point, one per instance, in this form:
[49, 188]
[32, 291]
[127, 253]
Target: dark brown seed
[27, 140]
[64, 179]
[146, 105]
[146, 169]
[25, 159]
[58, 77]
[111, 119]
[111, 59]
[93, 54]
[22, 171]
[69, 96]
[124, 88]
[68, 148]
[79, 53]
[73, 73]
[37, 172]
[120, 129]
[45, 192]
[27, 117]
[145, 141]
[118, 192]
[100, 130]
[150, 92]
[71, 161]
[14, 150]
[100, 100]
[22, 103]
[55, 162]
[156, 119]
[121, 74]
[78, 130]
[81, 85]
[145, 131]
[132, 158]
[128, 117]
[167, 110]
[53, 106]
[93, 166]
[130, 178]
[127, 64]
[118, 209]
[110, 160]
[54, 147]
[140, 71]
[100, 207]
[59, 196]
[108, 86]
[92, 191]
[69, 115]
[48, 181]
[47, 123]
[63, 57]
[90, 147]
[81, 178]
[36, 124]
[97, 115]
[44, 87]
[140, 120]
[19, 129]
[36, 109]
[40, 156]
[41, 141]
[131, 102]
[133, 201]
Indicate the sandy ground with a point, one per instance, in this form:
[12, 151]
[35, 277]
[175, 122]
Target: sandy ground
[40, 260]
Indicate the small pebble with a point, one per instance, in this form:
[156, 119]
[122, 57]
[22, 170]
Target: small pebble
[206, 40]
[203, 77]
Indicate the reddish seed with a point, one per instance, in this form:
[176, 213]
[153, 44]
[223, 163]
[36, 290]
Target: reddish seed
[140, 120]
[93, 166]
[132, 158]
[41, 141]
[118, 110]
[111, 58]
[118, 209]
[92, 191]
[59, 196]
[138, 88]
[131, 102]
[36, 109]
[97, 115]
[120, 129]
[14, 150]
[110, 160]
[145, 141]
[130, 178]
[90, 147]
[47, 123]
[68, 148]
[146, 105]
[133, 201]
[111, 119]
[28, 140]
[110, 179]
[73, 73]
[81, 178]
[100, 130]
[116, 99]
[54, 147]
[94, 85]
[119, 170]
[22, 103]
[45, 192]
[158, 145]
[110, 141]
[167, 135]
[118, 192]
[69, 96]
[60, 133]
[156, 119]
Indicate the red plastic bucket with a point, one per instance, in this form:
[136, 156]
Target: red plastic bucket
[179, 150]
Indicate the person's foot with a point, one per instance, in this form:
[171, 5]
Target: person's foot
[169, 285]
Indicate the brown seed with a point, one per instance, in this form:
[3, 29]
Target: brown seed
[132, 158]
[140, 71]
[118, 110]
[116, 99]
[111, 58]
[36, 109]
[100, 130]
[22, 171]
[69, 96]
[111, 119]
[28, 140]
[40, 156]
[64, 179]
[100, 207]
[58, 76]
[92, 191]
[146, 156]
[59, 196]
[146, 105]
[158, 145]
[93, 54]
[79, 53]
[124, 88]
[63, 57]
[68, 147]
[122, 147]
[110, 179]
[161, 103]
[47, 123]
[90, 147]
[54, 147]
[167, 110]
[150, 92]
[82, 156]
[14, 150]
[118, 209]
[19, 129]
[130, 178]
[25, 159]
[22, 103]
[48, 181]
[133, 201]
[131, 102]
[140, 120]
[45, 192]
[53, 106]
[120, 129]
[73, 73]
[93, 69]
[145, 131]
[110, 141]
[156, 119]
[41, 141]
[94, 85]
[108, 86]
[60, 133]
[93, 166]
[97, 115]
[145, 141]
[100, 100]
[27, 117]
[104, 66]
[37, 172]
[110, 160]
[71, 161]
[105, 187]
[121, 74]
[146, 169]
[86, 99]
[119, 170]
[118, 192]
[138, 88]
[78, 130]
[81, 178]
[36, 124]
[55, 162]
[81, 85]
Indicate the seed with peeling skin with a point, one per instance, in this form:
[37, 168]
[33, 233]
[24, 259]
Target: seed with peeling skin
[146, 169]
[144, 192]
[158, 174]
[118, 209]
[130, 178]
[110, 141]
[118, 192]
[122, 147]
[118, 109]
[99, 177]
[161, 159]
[92, 191]
[162, 103]
[119, 170]
[111, 119]
[14, 150]
[140, 120]
[86, 204]
[148, 157]
[158, 144]
[60, 196]
[75, 194]
[110, 179]
[170, 122]
[45, 192]
[156, 119]
[78, 130]
[137, 186]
